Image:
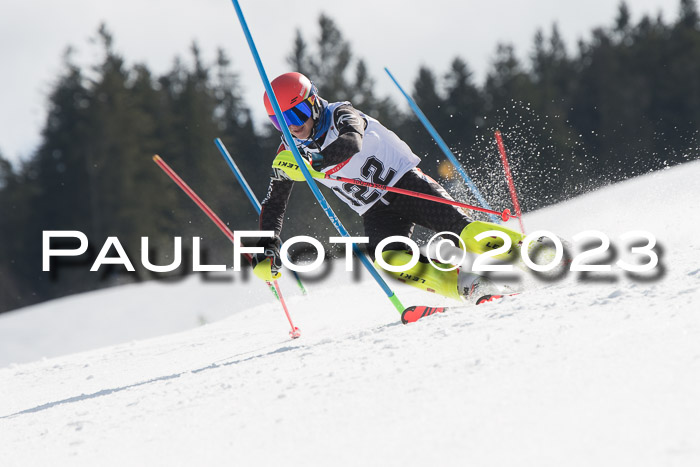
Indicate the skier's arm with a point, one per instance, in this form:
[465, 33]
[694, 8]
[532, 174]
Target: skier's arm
[272, 211]
[351, 130]
[274, 205]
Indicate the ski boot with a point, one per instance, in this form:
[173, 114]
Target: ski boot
[457, 284]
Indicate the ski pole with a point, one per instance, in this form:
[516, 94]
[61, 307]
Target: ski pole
[309, 180]
[440, 142]
[274, 287]
[509, 177]
[249, 193]
[505, 215]
[284, 162]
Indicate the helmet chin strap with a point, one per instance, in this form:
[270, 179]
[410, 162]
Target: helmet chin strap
[319, 113]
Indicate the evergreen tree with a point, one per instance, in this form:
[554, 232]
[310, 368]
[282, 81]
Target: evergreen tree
[364, 98]
[623, 103]
[463, 106]
[425, 93]
[299, 59]
[689, 17]
[9, 230]
[329, 66]
[239, 135]
[507, 81]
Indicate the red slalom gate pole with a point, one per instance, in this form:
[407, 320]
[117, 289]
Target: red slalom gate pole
[295, 332]
[505, 215]
[509, 177]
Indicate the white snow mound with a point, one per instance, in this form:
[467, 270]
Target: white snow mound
[604, 371]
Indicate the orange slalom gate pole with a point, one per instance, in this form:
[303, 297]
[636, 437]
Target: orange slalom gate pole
[505, 214]
[509, 177]
[274, 286]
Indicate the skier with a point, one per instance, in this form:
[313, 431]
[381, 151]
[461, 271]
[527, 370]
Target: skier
[338, 139]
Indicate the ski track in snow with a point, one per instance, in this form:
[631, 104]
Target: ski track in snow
[602, 372]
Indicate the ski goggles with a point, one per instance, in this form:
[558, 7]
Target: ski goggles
[297, 115]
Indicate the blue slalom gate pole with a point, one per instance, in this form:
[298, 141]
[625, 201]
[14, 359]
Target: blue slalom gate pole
[441, 143]
[249, 193]
[307, 176]
[239, 175]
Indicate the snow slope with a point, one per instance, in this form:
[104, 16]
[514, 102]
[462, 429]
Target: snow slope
[603, 371]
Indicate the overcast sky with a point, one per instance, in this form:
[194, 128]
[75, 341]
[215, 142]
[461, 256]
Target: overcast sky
[401, 35]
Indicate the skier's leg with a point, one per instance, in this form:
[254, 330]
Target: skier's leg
[434, 216]
[473, 229]
[380, 222]
[439, 278]
[388, 218]
[443, 217]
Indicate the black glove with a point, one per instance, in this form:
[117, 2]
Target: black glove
[315, 159]
[268, 270]
[317, 162]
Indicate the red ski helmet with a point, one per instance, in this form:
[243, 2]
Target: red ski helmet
[297, 97]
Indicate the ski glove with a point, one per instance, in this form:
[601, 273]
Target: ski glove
[314, 158]
[279, 174]
[317, 162]
[267, 265]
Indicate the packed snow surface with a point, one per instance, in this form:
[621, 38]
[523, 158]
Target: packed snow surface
[595, 370]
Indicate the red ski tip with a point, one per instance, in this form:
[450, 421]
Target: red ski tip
[414, 313]
[295, 334]
[491, 298]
